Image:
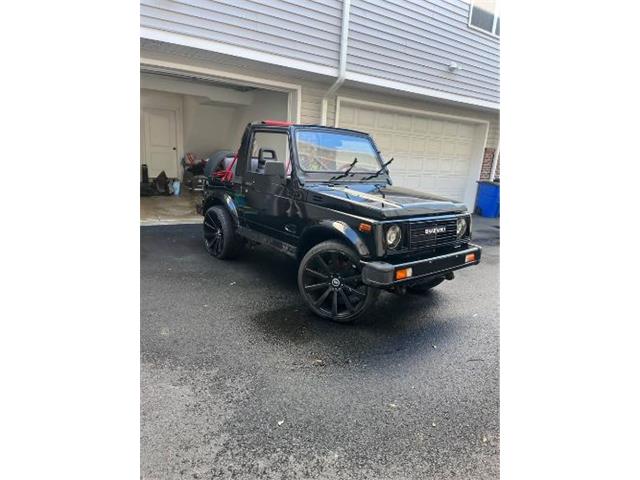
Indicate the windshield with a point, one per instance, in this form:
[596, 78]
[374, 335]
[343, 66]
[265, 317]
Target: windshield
[334, 152]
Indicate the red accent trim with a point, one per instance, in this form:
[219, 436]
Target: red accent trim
[226, 175]
[277, 123]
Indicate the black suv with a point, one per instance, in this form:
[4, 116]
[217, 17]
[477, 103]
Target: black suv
[323, 196]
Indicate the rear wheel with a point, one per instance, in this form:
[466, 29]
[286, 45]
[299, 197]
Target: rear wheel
[422, 288]
[219, 234]
[330, 281]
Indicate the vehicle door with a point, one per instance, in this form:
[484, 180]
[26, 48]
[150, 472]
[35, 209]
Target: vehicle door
[268, 199]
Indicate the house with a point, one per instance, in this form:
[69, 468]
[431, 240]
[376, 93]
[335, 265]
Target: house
[421, 76]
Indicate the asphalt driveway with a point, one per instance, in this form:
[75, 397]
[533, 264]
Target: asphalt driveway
[238, 380]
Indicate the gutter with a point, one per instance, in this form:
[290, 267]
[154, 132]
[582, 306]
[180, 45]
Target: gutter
[342, 66]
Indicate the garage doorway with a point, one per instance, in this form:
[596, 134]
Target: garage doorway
[194, 118]
[433, 153]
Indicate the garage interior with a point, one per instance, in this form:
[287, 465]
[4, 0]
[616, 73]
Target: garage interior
[180, 116]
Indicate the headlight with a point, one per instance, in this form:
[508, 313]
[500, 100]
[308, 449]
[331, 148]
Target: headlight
[461, 227]
[393, 236]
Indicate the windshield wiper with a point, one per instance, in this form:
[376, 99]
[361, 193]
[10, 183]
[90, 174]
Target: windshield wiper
[384, 168]
[346, 172]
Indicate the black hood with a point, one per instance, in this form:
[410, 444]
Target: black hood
[380, 202]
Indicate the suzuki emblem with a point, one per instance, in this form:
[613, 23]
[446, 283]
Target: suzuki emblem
[434, 230]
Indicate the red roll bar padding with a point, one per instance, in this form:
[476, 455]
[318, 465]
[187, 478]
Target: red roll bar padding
[226, 175]
[277, 123]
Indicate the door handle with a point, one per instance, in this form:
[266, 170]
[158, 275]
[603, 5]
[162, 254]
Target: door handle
[174, 148]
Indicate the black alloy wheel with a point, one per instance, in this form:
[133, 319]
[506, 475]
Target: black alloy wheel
[330, 281]
[220, 239]
[213, 234]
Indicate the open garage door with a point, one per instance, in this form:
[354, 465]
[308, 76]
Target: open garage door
[199, 117]
[434, 154]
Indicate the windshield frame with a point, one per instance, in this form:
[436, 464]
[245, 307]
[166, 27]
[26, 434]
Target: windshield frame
[319, 175]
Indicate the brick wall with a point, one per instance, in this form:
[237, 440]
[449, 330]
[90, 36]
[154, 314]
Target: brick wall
[485, 173]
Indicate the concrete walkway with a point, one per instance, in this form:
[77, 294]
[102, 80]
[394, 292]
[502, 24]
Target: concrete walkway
[170, 210]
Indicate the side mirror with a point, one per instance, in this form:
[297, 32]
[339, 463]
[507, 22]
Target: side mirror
[265, 154]
[275, 170]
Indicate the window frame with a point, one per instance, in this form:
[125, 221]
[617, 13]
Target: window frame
[288, 174]
[344, 132]
[496, 17]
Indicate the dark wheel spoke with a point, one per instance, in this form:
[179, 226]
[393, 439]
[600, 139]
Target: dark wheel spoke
[315, 273]
[323, 264]
[354, 291]
[323, 297]
[346, 300]
[212, 227]
[317, 286]
[335, 261]
[334, 304]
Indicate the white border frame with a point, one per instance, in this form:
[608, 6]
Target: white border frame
[235, 51]
[480, 137]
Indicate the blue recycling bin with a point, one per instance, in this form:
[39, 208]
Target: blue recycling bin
[488, 199]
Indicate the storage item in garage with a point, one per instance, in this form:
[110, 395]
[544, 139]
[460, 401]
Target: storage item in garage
[488, 199]
[215, 161]
[145, 173]
[193, 182]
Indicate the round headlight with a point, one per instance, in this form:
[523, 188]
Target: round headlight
[393, 236]
[461, 227]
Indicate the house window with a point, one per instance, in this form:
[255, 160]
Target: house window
[484, 16]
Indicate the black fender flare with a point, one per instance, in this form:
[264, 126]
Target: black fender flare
[344, 231]
[225, 200]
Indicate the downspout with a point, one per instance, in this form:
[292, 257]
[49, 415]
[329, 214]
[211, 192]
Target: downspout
[342, 65]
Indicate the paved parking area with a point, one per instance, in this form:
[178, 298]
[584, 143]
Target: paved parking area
[238, 380]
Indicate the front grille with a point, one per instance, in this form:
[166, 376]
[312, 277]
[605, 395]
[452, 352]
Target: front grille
[418, 239]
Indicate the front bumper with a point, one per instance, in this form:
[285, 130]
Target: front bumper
[383, 274]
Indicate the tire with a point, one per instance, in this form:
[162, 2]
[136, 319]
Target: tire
[425, 287]
[220, 238]
[330, 282]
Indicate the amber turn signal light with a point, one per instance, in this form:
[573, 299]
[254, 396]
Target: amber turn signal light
[403, 273]
[364, 227]
[470, 257]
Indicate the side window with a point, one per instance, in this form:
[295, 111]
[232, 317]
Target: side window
[276, 141]
[484, 15]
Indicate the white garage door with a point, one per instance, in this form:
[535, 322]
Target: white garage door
[431, 154]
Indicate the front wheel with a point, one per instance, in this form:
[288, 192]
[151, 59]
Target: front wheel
[220, 238]
[330, 281]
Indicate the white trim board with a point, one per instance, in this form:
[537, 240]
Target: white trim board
[480, 138]
[386, 106]
[227, 49]
[426, 92]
